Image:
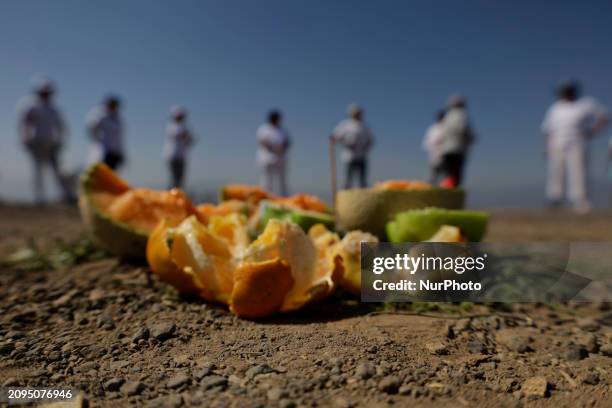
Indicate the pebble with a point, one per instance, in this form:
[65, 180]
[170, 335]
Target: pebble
[389, 384]
[163, 331]
[606, 350]
[437, 347]
[365, 371]
[114, 384]
[275, 394]
[535, 387]
[575, 352]
[132, 388]
[141, 334]
[476, 347]
[170, 401]
[591, 378]
[105, 322]
[512, 341]
[257, 370]
[214, 381]
[178, 381]
[198, 375]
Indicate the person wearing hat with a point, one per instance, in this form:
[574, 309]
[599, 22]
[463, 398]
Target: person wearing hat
[357, 139]
[106, 129]
[569, 124]
[432, 144]
[178, 140]
[42, 132]
[273, 145]
[457, 138]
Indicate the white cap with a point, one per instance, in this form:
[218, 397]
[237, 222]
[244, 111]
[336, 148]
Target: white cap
[42, 84]
[177, 110]
[353, 109]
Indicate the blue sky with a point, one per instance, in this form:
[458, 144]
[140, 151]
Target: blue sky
[228, 62]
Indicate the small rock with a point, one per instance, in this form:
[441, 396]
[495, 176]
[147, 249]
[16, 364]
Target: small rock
[6, 348]
[509, 339]
[114, 384]
[589, 325]
[105, 322]
[178, 381]
[405, 390]
[341, 402]
[257, 370]
[606, 350]
[389, 384]
[365, 371]
[437, 347]
[476, 347]
[535, 387]
[163, 331]
[96, 295]
[118, 365]
[591, 378]
[285, 403]
[198, 375]
[132, 388]
[141, 334]
[275, 394]
[574, 352]
[9, 382]
[169, 401]
[589, 341]
[214, 381]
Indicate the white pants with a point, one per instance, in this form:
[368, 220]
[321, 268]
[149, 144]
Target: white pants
[46, 156]
[568, 162]
[274, 177]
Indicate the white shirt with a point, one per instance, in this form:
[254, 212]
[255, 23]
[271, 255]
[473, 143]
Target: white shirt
[40, 123]
[457, 132]
[568, 122]
[275, 136]
[356, 138]
[107, 130]
[434, 137]
[178, 140]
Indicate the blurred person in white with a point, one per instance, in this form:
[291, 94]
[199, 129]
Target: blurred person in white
[357, 139]
[457, 139]
[432, 144]
[273, 144]
[568, 125]
[42, 132]
[178, 140]
[106, 128]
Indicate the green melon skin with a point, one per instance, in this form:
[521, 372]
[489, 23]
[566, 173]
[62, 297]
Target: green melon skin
[116, 237]
[369, 210]
[305, 219]
[420, 225]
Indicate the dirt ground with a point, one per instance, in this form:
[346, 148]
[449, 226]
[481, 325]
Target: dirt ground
[121, 338]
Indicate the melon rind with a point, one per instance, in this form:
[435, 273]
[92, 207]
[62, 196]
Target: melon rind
[114, 236]
[304, 218]
[369, 210]
[420, 225]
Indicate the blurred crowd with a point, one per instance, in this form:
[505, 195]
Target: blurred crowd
[569, 124]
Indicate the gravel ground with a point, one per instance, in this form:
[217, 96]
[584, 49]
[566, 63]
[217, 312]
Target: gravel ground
[120, 337]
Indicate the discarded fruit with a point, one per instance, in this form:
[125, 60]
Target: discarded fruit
[420, 225]
[370, 209]
[120, 218]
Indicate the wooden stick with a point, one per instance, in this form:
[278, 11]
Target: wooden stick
[332, 173]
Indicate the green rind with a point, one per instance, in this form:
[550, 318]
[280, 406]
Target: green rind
[305, 219]
[369, 210]
[420, 225]
[116, 237]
